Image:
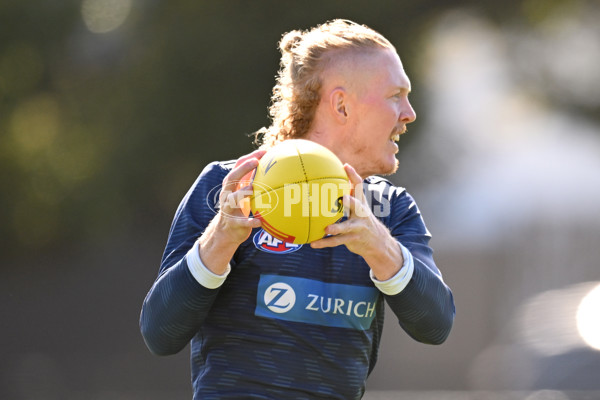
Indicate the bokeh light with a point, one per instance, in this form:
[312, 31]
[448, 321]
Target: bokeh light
[35, 125]
[553, 322]
[588, 318]
[102, 16]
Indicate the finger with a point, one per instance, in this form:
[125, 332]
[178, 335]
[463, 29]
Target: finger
[242, 197]
[356, 181]
[251, 222]
[332, 241]
[351, 205]
[352, 174]
[356, 207]
[241, 221]
[245, 191]
[234, 201]
[254, 223]
[340, 227]
[237, 173]
[246, 180]
[255, 154]
[243, 166]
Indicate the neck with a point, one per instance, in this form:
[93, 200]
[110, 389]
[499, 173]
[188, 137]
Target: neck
[335, 144]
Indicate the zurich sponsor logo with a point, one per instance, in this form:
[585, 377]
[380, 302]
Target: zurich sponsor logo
[315, 302]
[266, 242]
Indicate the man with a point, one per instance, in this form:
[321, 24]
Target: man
[341, 85]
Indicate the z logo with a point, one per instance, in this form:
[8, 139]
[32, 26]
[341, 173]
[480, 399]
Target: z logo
[280, 297]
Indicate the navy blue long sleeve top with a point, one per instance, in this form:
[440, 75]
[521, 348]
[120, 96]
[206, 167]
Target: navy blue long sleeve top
[289, 321]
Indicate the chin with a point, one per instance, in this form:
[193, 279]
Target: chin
[387, 168]
[392, 170]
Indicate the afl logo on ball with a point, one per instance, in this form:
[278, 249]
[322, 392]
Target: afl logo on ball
[266, 242]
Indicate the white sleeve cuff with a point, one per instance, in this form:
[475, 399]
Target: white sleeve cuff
[398, 282]
[203, 275]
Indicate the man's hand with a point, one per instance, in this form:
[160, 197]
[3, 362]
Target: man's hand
[232, 222]
[362, 233]
[231, 226]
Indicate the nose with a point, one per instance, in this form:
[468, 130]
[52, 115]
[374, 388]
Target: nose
[407, 114]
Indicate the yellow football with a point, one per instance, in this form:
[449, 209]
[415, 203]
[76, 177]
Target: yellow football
[297, 190]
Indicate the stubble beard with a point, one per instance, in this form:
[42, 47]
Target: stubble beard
[394, 169]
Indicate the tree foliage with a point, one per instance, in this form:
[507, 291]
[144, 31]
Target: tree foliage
[101, 133]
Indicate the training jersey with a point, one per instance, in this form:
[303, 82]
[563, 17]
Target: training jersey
[289, 321]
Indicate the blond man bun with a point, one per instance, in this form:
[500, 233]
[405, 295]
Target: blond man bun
[296, 93]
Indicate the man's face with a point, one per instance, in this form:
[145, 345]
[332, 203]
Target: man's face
[379, 111]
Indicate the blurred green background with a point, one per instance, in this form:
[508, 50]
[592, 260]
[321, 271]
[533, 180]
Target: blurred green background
[109, 109]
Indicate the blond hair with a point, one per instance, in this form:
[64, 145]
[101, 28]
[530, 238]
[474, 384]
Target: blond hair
[296, 93]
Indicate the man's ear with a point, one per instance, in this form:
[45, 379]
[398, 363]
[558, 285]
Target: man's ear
[338, 104]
